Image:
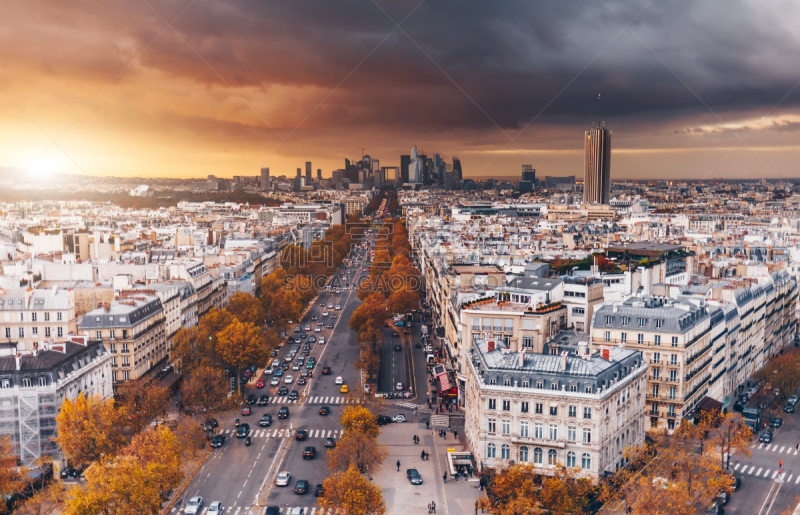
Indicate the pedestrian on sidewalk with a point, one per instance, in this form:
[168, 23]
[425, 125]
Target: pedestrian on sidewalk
[455, 434]
[429, 507]
[398, 465]
[422, 456]
[427, 424]
[444, 477]
[476, 507]
[433, 507]
[427, 455]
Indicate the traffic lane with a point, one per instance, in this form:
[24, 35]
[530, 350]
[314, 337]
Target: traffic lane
[233, 473]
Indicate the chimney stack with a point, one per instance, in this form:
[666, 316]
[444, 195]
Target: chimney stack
[564, 355]
[16, 359]
[606, 354]
[490, 345]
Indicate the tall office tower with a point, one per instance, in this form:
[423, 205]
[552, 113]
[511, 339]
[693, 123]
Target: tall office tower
[336, 177]
[405, 161]
[597, 166]
[265, 179]
[299, 173]
[415, 165]
[457, 178]
[319, 174]
[308, 172]
[528, 173]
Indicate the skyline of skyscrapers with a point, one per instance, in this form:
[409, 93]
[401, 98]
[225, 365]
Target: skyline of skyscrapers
[597, 165]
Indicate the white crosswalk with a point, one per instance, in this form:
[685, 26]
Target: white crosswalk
[283, 433]
[254, 510]
[331, 400]
[786, 477]
[794, 451]
[409, 405]
[440, 420]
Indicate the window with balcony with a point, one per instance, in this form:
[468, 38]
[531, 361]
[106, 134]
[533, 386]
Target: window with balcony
[114, 361]
[506, 405]
[539, 407]
[124, 347]
[640, 338]
[607, 336]
[114, 376]
[656, 357]
[492, 403]
[572, 411]
[671, 411]
[554, 410]
[572, 433]
[523, 407]
[657, 339]
[672, 392]
[587, 412]
[673, 359]
[98, 335]
[673, 375]
[124, 334]
[655, 390]
[125, 361]
[656, 374]
[623, 337]
[111, 334]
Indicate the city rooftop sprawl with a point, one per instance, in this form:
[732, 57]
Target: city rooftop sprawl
[575, 314]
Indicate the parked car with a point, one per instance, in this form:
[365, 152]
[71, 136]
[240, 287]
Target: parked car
[398, 419]
[776, 422]
[384, 419]
[319, 491]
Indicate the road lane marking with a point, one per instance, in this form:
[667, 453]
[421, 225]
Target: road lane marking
[734, 468]
[759, 471]
[752, 469]
[774, 474]
[797, 480]
[782, 448]
[775, 448]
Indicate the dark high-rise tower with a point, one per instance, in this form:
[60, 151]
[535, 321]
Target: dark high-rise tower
[308, 172]
[405, 161]
[597, 166]
[457, 178]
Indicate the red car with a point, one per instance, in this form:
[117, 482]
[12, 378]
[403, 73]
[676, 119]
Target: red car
[260, 383]
[246, 411]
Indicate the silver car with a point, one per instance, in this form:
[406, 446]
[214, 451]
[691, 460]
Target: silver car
[215, 508]
[194, 506]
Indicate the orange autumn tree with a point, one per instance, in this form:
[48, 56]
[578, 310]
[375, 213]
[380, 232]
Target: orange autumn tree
[351, 493]
[90, 428]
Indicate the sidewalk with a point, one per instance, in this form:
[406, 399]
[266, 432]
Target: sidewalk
[400, 496]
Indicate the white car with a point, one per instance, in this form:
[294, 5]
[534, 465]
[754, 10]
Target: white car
[318, 329]
[288, 380]
[398, 386]
[269, 371]
[275, 381]
[399, 418]
[194, 506]
[215, 508]
[322, 340]
[330, 306]
[283, 478]
[308, 328]
[339, 380]
[325, 314]
[338, 307]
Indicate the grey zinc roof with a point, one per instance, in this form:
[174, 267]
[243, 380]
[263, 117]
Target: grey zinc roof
[122, 315]
[674, 319]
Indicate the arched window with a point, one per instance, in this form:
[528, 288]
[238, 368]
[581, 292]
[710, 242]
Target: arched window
[491, 451]
[552, 457]
[523, 454]
[537, 456]
[570, 459]
[586, 461]
[505, 452]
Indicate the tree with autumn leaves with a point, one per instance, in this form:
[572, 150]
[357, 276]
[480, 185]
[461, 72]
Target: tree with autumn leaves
[350, 493]
[359, 446]
[90, 429]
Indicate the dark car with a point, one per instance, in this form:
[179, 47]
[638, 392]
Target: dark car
[303, 335]
[413, 476]
[330, 443]
[309, 453]
[326, 371]
[397, 346]
[329, 326]
[283, 412]
[272, 510]
[319, 491]
[302, 380]
[301, 434]
[384, 419]
[263, 400]
[290, 340]
[394, 333]
[266, 420]
[293, 395]
[251, 399]
[737, 483]
[324, 410]
[776, 422]
[301, 486]
[273, 353]
[766, 437]
[246, 411]
[283, 390]
[284, 366]
[217, 441]
[210, 424]
[242, 431]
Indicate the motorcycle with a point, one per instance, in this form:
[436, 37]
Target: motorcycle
[247, 441]
[237, 422]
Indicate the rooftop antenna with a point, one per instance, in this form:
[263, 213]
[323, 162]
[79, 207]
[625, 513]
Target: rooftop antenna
[362, 151]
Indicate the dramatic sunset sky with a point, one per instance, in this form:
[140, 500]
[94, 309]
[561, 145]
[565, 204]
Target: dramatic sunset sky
[182, 88]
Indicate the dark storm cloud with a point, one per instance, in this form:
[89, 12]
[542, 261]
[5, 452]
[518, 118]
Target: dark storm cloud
[512, 58]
